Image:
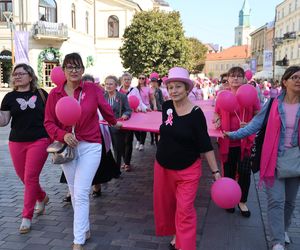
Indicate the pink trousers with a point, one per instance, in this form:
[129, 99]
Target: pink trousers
[174, 195]
[28, 159]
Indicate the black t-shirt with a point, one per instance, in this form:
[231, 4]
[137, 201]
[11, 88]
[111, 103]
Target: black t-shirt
[27, 115]
[182, 138]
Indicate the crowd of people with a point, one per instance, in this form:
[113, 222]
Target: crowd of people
[103, 152]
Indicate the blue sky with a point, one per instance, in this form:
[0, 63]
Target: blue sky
[214, 20]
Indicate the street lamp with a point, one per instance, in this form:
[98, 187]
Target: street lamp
[9, 19]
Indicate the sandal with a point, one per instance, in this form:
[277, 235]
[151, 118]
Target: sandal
[40, 206]
[25, 226]
[67, 199]
[77, 247]
[96, 194]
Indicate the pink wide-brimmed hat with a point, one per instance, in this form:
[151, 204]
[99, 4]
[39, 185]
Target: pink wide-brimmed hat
[154, 76]
[179, 74]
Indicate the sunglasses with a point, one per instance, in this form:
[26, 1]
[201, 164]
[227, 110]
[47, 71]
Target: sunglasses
[224, 81]
[142, 78]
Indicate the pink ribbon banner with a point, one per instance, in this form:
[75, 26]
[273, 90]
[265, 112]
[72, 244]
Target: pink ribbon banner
[151, 121]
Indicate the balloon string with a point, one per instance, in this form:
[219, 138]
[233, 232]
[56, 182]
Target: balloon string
[244, 114]
[237, 116]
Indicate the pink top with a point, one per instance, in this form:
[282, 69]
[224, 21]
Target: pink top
[290, 119]
[145, 95]
[87, 128]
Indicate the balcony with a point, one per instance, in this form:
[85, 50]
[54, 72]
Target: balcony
[282, 63]
[278, 40]
[52, 31]
[289, 36]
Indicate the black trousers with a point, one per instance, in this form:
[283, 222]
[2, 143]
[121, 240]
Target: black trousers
[140, 136]
[122, 145]
[235, 166]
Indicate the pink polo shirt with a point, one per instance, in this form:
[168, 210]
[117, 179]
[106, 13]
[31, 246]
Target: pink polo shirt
[87, 128]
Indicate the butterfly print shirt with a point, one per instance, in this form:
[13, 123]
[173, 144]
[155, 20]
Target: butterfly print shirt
[27, 115]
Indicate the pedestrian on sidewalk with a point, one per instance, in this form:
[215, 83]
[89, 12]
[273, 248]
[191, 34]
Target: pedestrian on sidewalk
[86, 140]
[282, 137]
[235, 154]
[28, 139]
[177, 169]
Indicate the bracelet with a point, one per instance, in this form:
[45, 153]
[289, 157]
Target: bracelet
[214, 172]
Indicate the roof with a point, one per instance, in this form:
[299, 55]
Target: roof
[234, 52]
[162, 2]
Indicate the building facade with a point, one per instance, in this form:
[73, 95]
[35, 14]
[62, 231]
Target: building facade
[93, 28]
[287, 34]
[219, 63]
[243, 30]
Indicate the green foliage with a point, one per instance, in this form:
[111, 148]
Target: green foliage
[89, 61]
[154, 41]
[41, 59]
[197, 55]
[211, 74]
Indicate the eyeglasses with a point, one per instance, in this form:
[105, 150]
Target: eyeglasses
[70, 68]
[141, 78]
[19, 74]
[224, 81]
[237, 76]
[295, 78]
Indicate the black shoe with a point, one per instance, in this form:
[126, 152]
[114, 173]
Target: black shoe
[96, 194]
[230, 210]
[246, 214]
[172, 247]
[67, 199]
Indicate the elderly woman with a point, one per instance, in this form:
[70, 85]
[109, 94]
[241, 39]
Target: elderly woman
[121, 109]
[28, 139]
[281, 145]
[86, 140]
[235, 154]
[177, 169]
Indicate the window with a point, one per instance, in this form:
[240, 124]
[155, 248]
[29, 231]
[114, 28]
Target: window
[47, 11]
[87, 22]
[113, 26]
[290, 8]
[73, 16]
[292, 52]
[5, 6]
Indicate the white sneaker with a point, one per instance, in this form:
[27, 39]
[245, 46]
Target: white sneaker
[287, 238]
[278, 247]
[137, 146]
[141, 147]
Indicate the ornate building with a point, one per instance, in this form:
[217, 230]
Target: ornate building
[243, 30]
[94, 28]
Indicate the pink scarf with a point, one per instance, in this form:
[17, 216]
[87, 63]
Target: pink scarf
[270, 146]
[246, 143]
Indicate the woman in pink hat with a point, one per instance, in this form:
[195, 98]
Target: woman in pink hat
[177, 169]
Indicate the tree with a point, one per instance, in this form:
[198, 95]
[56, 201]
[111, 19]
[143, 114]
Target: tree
[154, 41]
[197, 55]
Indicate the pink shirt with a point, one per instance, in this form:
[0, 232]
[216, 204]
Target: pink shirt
[87, 128]
[290, 119]
[145, 95]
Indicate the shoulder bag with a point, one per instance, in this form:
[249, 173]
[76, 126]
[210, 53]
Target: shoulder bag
[62, 152]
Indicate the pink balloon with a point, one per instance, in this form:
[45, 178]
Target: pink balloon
[226, 100]
[68, 110]
[266, 92]
[133, 102]
[248, 75]
[246, 95]
[57, 76]
[226, 193]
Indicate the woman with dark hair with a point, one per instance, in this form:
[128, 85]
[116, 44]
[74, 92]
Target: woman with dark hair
[28, 139]
[235, 154]
[86, 139]
[282, 137]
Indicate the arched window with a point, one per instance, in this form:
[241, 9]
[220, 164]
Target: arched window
[47, 11]
[5, 5]
[113, 26]
[87, 22]
[73, 16]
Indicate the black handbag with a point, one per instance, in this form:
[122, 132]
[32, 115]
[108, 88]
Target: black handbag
[256, 148]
